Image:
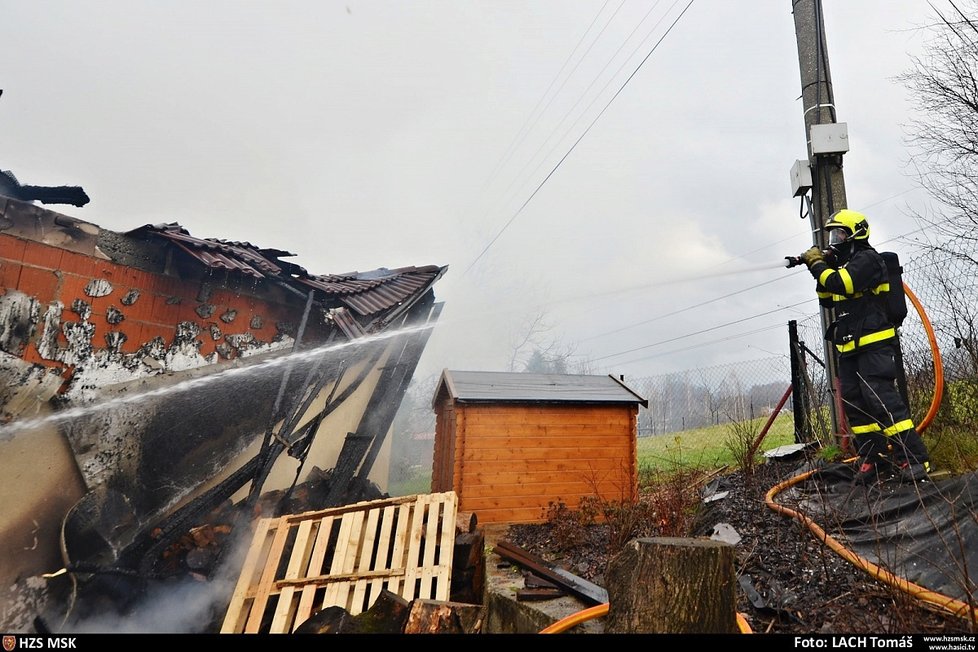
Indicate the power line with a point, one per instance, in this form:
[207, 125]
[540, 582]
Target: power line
[681, 310]
[580, 138]
[581, 98]
[701, 345]
[751, 287]
[528, 125]
[700, 332]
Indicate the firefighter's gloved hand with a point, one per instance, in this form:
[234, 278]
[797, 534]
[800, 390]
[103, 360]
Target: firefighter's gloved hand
[812, 256]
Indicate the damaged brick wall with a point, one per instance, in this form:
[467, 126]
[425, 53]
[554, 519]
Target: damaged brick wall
[102, 323]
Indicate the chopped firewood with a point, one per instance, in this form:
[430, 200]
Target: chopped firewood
[386, 616]
[435, 617]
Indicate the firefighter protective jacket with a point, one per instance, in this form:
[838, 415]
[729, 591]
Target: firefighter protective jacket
[857, 290]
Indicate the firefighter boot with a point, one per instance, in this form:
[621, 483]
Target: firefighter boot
[910, 472]
[867, 473]
[911, 457]
[873, 463]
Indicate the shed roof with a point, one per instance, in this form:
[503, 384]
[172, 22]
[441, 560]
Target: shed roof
[511, 387]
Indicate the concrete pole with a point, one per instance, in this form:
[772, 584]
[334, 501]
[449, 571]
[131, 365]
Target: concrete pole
[828, 183]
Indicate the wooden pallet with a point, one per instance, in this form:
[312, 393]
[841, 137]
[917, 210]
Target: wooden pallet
[345, 556]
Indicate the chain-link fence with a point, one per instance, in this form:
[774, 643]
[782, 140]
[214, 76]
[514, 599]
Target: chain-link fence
[709, 396]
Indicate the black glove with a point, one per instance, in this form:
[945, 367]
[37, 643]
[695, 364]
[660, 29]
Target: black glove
[812, 256]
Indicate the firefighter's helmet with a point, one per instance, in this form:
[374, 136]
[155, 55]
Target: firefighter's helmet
[854, 223]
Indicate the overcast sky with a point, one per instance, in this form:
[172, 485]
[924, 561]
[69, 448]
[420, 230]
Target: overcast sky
[482, 135]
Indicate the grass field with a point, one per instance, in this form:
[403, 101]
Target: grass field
[710, 448]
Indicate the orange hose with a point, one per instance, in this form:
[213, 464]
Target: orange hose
[600, 610]
[936, 354]
[743, 624]
[564, 624]
[943, 602]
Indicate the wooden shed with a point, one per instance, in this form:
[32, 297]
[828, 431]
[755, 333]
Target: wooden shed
[510, 444]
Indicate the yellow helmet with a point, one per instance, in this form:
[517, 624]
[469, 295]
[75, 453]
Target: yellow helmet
[855, 223]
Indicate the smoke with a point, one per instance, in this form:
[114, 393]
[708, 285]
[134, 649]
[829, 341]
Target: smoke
[186, 605]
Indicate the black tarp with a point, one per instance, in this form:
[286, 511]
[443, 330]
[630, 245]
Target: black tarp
[926, 533]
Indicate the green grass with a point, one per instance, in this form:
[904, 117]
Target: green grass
[708, 448]
[417, 484]
[952, 448]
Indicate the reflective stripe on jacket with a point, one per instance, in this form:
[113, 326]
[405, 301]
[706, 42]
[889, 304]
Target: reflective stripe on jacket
[856, 291]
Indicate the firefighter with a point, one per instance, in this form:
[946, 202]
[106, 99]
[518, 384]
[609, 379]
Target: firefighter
[851, 276]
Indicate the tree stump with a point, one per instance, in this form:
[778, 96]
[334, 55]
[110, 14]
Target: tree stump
[669, 585]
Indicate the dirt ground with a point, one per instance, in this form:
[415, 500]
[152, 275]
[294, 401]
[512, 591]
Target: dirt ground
[790, 582]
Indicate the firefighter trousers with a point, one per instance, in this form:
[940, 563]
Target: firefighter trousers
[878, 417]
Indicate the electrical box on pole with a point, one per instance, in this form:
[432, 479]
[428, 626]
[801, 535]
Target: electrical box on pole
[828, 141]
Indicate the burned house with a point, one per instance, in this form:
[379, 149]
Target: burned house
[150, 376]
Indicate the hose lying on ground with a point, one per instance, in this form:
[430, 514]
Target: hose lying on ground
[939, 600]
[600, 610]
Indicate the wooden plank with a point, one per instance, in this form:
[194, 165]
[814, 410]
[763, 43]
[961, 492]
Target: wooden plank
[527, 441]
[550, 413]
[445, 437]
[350, 553]
[553, 455]
[400, 546]
[480, 505]
[597, 431]
[446, 547]
[547, 477]
[411, 561]
[515, 420]
[580, 466]
[339, 557]
[408, 545]
[382, 565]
[345, 509]
[429, 547]
[236, 615]
[298, 563]
[458, 450]
[582, 588]
[364, 564]
[536, 489]
[266, 583]
[307, 600]
[339, 578]
[536, 594]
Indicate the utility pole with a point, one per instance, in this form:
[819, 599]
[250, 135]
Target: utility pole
[827, 142]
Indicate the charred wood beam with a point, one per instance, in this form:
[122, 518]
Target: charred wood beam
[385, 400]
[405, 368]
[72, 195]
[265, 455]
[295, 347]
[354, 448]
[277, 446]
[11, 187]
[146, 548]
[578, 586]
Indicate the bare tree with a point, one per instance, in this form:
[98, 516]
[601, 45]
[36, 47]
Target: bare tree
[943, 82]
[535, 350]
[526, 339]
